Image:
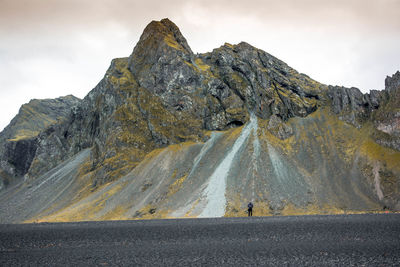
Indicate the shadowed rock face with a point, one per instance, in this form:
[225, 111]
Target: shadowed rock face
[20, 154]
[312, 147]
[19, 140]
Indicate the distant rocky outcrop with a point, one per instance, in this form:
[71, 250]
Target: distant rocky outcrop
[392, 83]
[387, 117]
[19, 140]
[353, 106]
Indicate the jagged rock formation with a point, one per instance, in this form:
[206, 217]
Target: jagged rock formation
[351, 105]
[387, 117]
[19, 140]
[164, 94]
[289, 143]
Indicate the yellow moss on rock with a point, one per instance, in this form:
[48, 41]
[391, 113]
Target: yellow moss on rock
[376, 152]
[235, 111]
[177, 185]
[288, 145]
[170, 41]
[84, 210]
[24, 134]
[202, 66]
[118, 213]
[121, 75]
[234, 133]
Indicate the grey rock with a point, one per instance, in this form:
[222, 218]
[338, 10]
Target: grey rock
[278, 128]
[392, 82]
[351, 105]
[163, 94]
[19, 140]
[387, 117]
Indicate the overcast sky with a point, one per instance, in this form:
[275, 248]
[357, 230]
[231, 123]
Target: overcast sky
[54, 48]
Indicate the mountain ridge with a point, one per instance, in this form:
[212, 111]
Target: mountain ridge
[163, 99]
[19, 138]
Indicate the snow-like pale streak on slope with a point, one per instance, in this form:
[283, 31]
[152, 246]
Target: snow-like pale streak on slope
[377, 179]
[181, 211]
[281, 171]
[215, 190]
[204, 151]
[61, 173]
[256, 154]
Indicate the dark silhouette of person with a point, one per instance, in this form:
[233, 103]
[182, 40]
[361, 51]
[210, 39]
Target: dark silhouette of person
[250, 209]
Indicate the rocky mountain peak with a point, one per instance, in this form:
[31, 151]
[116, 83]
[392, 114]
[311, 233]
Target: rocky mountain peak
[160, 40]
[157, 128]
[164, 31]
[393, 82]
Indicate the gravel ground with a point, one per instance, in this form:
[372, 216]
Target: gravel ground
[346, 240]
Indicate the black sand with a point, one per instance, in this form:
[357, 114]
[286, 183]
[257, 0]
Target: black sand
[371, 240]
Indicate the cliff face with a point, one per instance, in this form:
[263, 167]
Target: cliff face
[166, 131]
[387, 118]
[19, 140]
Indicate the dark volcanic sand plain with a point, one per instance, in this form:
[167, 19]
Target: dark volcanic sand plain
[369, 240]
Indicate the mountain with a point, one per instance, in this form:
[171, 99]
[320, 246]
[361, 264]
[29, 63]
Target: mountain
[169, 133]
[19, 139]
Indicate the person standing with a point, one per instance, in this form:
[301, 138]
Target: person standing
[250, 209]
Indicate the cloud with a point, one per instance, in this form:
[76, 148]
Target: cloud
[53, 48]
